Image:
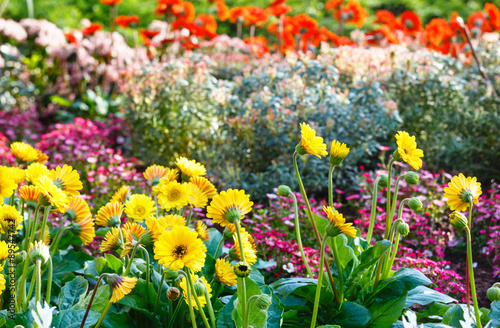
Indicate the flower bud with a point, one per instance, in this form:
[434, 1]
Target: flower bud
[227, 234]
[233, 255]
[396, 156]
[264, 301]
[284, 191]
[20, 257]
[383, 180]
[242, 269]
[458, 220]
[39, 251]
[411, 178]
[403, 229]
[493, 292]
[173, 293]
[170, 274]
[199, 288]
[415, 204]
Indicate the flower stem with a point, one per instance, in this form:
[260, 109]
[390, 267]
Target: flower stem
[159, 293]
[311, 218]
[44, 222]
[388, 267]
[472, 284]
[246, 318]
[299, 238]
[49, 281]
[218, 247]
[330, 186]
[103, 315]
[38, 292]
[132, 256]
[190, 300]
[319, 284]
[57, 239]
[209, 305]
[373, 211]
[339, 271]
[189, 216]
[196, 299]
[177, 308]
[92, 299]
[388, 218]
[146, 255]
[467, 276]
[395, 196]
[241, 281]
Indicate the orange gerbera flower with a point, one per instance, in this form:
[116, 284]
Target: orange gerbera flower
[91, 29]
[493, 14]
[278, 10]
[386, 17]
[184, 11]
[352, 12]
[125, 21]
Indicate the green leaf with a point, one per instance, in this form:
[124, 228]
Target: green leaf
[73, 319]
[214, 238]
[101, 300]
[434, 309]
[495, 314]
[136, 303]
[457, 316]
[275, 311]
[224, 319]
[353, 315]
[60, 100]
[386, 313]
[113, 263]
[285, 287]
[257, 317]
[423, 295]
[118, 320]
[71, 293]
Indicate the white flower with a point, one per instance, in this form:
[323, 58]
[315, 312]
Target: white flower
[44, 316]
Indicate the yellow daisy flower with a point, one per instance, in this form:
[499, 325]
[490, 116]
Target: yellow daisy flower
[205, 185]
[120, 286]
[4, 250]
[67, 179]
[42, 158]
[51, 194]
[111, 241]
[309, 143]
[229, 206]
[180, 248]
[109, 215]
[190, 167]
[36, 170]
[121, 195]
[9, 214]
[248, 248]
[338, 151]
[23, 151]
[84, 228]
[172, 195]
[224, 272]
[140, 207]
[197, 198]
[77, 210]
[459, 191]
[164, 223]
[30, 194]
[46, 236]
[408, 151]
[202, 230]
[338, 224]
[19, 175]
[2, 281]
[132, 233]
[155, 172]
[7, 183]
[202, 298]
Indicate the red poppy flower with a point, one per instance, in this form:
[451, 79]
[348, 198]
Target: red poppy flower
[146, 40]
[278, 10]
[410, 22]
[71, 38]
[333, 4]
[305, 23]
[111, 2]
[165, 6]
[493, 14]
[352, 12]
[386, 17]
[208, 24]
[91, 29]
[255, 16]
[236, 13]
[125, 21]
[276, 2]
[438, 32]
[324, 35]
[381, 36]
[478, 23]
[184, 11]
[222, 10]
[258, 45]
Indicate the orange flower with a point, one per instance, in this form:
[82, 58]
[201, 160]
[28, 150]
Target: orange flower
[386, 17]
[278, 10]
[222, 10]
[258, 45]
[184, 11]
[478, 23]
[91, 29]
[255, 15]
[165, 6]
[493, 14]
[125, 21]
[438, 32]
[454, 23]
[111, 2]
[236, 13]
[410, 22]
[352, 12]
[305, 23]
[333, 4]
[208, 23]
[382, 35]
[71, 38]
[149, 33]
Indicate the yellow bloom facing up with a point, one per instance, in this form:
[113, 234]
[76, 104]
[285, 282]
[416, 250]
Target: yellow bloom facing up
[109, 215]
[229, 206]
[77, 210]
[84, 228]
[111, 241]
[205, 185]
[180, 248]
[248, 248]
[120, 286]
[41, 158]
[121, 195]
[224, 272]
[155, 172]
[202, 298]
[140, 207]
[2, 281]
[19, 175]
[197, 197]
[23, 152]
[51, 194]
[310, 143]
[36, 170]
[337, 223]
[7, 183]
[172, 195]
[408, 151]
[202, 230]
[460, 190]
[190, 168]
[10, 218]
[338, 151]
[67, 179]
[164, 223]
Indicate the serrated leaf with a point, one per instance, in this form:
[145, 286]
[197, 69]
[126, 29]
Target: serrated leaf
[71, 293]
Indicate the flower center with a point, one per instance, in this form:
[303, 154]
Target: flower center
[180, 251]
[174, 195]
[408, 23]
[140, 210]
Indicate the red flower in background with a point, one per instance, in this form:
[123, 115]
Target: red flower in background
[493, 14]
[410, 22]
[382, 36]
[333, 4]
[236, 13]
[125, 21]
[165, 6]
[352, 12]
[386, 17]
[149, 33]
[255, 15]
[184, 11]
[91, 29]
[478, 23]
[276, 2]
[222, 10]
[208, 24]
[454, 23]
[111, 2]
[258, 45]
[71, 38]
[438, 32]
[278, 10]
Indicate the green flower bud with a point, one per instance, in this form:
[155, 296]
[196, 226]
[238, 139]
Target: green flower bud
[170, 274]
[403, 229]
[242, 269]
[383, 180]
[173, 293]
[20, 257]
[458, 220]
[493, 292]
[411, 178]
[264, 301]
[415, 204]
[199, 288]
[228, 235]
[233, 255]
[284, 191]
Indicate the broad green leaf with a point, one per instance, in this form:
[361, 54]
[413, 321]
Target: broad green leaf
[353, 315]
[458, 316]
[72, 292]
[275, 311]
[257, 317]
[287, 286]
[73, 319]
[495, 314]
[386, 313]
[136, 303]
[101, 300]
[113, 263]
[118, 320]
[423, 295]
[224, 320]
[434, 309]
[214, 238]
[261, 264]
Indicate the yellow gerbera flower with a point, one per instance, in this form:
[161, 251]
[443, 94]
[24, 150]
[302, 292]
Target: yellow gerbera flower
[121, 195]
[9, 218]
[132, 233]
[7, 183]
[30, 193]
[2, 281]
[4, 250]
[205, 185]
[180, 248]
[35, 170]
[19, 175]
[77, 210]
[224, 272]
[84, 228]
[229, 206]
[408, 151]
[140, 207]
[120, 286]
[164, 223]
[46, 236]
[248, 247]
[109, 215]
[67, 179]
[202, 230]
[41, 158]
[337, 223]
[155, 172]
[190, 167]
[23, 151]
[202, 298]
[338, 151]
[197, 198]
[460, 190]
[172, 195]
[111, 241]
[51, 194]
[309, 143]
